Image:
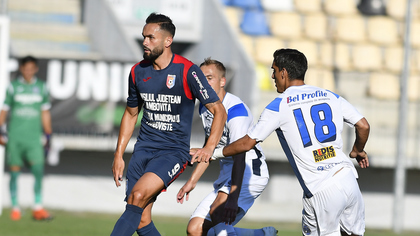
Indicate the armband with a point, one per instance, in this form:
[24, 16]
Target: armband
[218, 153]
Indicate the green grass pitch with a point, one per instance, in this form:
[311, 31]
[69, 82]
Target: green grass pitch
[92, 224]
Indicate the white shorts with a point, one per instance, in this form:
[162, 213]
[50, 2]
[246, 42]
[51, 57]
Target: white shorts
[339, 205]
[247, 196]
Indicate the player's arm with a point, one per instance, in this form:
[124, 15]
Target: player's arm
[362, 134]
[241, 145]
[192, 181]
[231, 206]
[3, 115]
[128, 123]
[219, 114]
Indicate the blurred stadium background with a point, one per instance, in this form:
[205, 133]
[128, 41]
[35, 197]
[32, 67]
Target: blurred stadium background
[86, 48]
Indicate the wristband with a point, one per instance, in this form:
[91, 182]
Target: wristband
[218, 153]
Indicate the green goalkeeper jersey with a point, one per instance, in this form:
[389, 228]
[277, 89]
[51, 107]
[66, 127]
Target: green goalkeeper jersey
[25, 102]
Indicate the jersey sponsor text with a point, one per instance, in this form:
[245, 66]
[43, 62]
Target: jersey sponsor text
[323, 153]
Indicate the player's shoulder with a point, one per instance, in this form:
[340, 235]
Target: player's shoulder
[182, 60]
[231, 100]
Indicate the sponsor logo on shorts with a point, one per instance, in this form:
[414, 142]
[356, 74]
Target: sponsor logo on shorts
[323, 153]
[306, 230]
[327, 167]
[174, 170]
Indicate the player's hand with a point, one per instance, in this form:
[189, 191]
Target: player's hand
[202, 155]
[193, 151]
[184, 191]
[361, 157]
[3, 141]
[230, 211]
[118, 170]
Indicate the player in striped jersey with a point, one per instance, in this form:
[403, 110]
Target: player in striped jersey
[309, 121]
[237, 189]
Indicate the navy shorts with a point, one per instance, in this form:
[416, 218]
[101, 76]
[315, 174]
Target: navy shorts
[167, 164]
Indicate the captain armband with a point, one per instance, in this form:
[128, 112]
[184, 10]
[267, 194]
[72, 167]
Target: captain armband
[218, 153]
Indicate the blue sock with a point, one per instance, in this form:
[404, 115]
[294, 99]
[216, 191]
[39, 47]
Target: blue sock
[128, 222]
[149, 230]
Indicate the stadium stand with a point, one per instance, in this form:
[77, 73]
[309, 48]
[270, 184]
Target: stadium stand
[49, 29]
[350, 28]
[254, 22]
[314, 6]
[275, 5]
[286, 25]
[316, 26]
[382, 30]
[367, 57]
[340, 7]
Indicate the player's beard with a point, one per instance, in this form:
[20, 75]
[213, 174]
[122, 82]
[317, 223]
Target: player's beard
[153, 54]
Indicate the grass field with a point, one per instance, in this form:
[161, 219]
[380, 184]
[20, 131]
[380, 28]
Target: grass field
[92, 224]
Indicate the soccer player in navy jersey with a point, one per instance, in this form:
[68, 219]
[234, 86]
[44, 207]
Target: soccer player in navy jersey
[165, 86]
[309, 121]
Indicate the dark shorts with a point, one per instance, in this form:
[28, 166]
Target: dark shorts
[168, 165]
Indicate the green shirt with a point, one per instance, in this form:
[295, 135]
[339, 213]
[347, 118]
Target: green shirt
[25, 101]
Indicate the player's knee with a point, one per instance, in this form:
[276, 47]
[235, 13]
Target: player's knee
[137, 198]
[194, 229]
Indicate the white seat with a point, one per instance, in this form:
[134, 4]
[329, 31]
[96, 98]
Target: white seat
[316, 26]
[248, 43]
[340, 7]
[326, 54]
[382, 30]
[367, 57]
[413, 87]
[286, 25]
[309, 48]
[396, 8]
[342, 60]
[415, 34]
[322, 78]
[350, 29]
[384, 86]
[306, 6]
[265, 47]
[234, 16]
[276, 5]
[393, 59]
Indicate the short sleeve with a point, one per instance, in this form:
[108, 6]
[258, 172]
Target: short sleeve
[199, 86]
[268, 122]
[350, 114]
[46, 105]
[238, 121]
[8, 101]
[132, 99]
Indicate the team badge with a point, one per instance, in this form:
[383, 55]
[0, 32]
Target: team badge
[170, 81]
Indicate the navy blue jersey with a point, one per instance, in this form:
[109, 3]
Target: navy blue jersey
[168, 98]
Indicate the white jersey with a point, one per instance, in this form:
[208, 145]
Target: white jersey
[308, 121]
[239, 121]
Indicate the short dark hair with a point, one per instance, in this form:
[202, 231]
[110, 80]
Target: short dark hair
[293, 61]
[163, 21]
[208, 61]
[24, 60]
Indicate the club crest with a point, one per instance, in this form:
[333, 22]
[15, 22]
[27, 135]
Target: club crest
[170, 81]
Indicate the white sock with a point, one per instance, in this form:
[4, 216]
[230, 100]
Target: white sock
[223, 229]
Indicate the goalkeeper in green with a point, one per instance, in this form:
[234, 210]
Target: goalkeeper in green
[27, 108]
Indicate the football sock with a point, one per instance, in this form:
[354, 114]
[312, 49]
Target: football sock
[249, 232]
[223, 229]
[38, 172]
[149, 230]
[241, 231]
[128, 222]
[13, 188]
